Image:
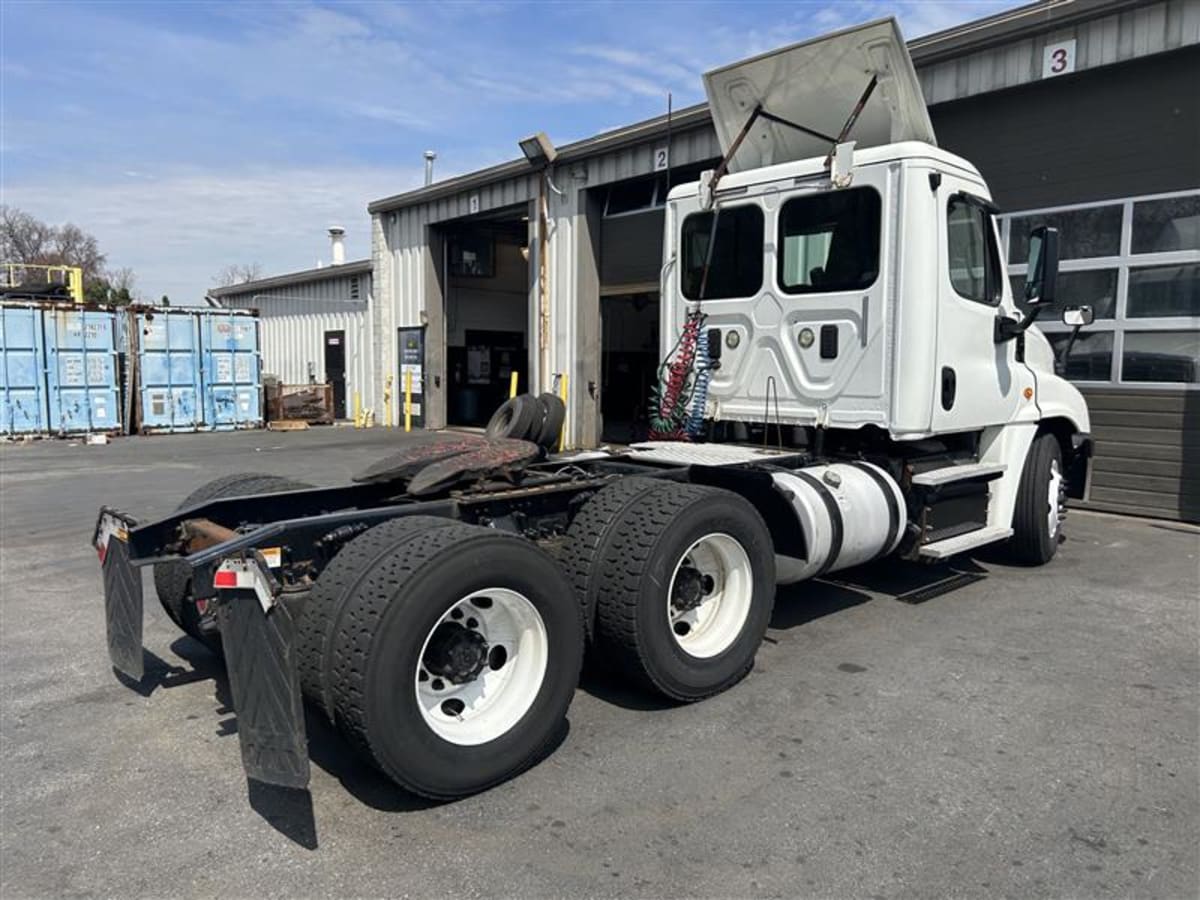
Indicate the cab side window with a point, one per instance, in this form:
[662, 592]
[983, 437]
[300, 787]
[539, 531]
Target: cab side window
[971, 247]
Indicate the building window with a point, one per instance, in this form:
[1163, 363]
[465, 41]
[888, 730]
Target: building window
[971, 251]
[736, 265]
[830, 242]
[1136, 262]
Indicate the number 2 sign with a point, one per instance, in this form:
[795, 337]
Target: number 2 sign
[1058, 59]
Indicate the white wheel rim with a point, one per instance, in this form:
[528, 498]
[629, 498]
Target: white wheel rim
[1054, 496]
[485, 705]
[712, 625]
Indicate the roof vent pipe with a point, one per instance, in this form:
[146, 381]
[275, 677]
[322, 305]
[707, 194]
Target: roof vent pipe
[430, 156]
[337, 240]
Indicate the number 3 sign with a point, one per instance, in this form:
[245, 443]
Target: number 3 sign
[1058, 59]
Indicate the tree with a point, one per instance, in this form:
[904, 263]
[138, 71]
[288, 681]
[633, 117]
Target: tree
[238, 273]
[24, 238]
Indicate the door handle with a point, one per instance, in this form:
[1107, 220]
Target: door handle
[949, 387]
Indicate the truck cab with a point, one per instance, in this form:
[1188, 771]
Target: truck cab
[850, 277]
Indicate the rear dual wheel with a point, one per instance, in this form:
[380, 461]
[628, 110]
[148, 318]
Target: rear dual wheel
[447, 653]
[681, 579]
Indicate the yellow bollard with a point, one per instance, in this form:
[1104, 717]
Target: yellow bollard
[562, 394]
[408, 400]
[358, 411]
[387, 403]
[512, 385]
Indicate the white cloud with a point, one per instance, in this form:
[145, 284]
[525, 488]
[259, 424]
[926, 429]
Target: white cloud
[177, 229]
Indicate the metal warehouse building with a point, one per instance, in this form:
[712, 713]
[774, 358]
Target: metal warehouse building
[315, 326]
[1084, 115]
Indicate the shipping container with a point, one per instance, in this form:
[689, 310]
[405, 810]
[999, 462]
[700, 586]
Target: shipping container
[22, 371]
[231, 377]
[169, 361]
[82, 391]
[198, 370]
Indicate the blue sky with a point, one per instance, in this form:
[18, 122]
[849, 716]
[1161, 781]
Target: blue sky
[187, 136]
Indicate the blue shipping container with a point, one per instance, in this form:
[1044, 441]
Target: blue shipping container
[22, 371]
[81, 370]
[232, 380]
[169, 360]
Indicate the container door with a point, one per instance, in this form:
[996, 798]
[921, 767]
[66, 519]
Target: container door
[231, 370]
[169, 361]
[81, 374]
[335, 370]
[22, 371]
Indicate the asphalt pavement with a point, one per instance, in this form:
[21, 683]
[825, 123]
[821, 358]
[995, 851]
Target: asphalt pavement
[1034, 733]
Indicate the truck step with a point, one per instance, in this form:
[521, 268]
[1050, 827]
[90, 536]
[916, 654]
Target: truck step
[963, 542]
[937, 477]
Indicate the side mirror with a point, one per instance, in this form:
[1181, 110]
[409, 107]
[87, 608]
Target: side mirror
[1078, 316]
[1042, 273]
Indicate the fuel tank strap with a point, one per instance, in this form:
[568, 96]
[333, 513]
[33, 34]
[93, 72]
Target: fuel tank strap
[893, 507]
[836, 526]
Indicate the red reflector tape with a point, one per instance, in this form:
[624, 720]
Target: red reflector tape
[224, 579]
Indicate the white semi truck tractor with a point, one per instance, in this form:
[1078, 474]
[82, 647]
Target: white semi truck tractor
[847, 376]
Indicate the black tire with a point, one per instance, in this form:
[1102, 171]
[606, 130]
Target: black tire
[554, 414]
[590, 535]
[1033, 543]
[380, 632]
[634, 570]
[337, 584]
[173, 580]
[519, 418]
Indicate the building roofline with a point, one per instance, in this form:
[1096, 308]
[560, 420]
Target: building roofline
[685, 119]
[953, 42]
[357, 267]
[980, 34]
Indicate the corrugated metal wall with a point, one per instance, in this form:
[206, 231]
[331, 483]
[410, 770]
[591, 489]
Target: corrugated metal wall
[1155, 27]
[294, 321]
[1147, 452]
[407, 258]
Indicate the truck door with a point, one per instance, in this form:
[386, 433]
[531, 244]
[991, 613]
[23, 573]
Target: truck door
[975, 383]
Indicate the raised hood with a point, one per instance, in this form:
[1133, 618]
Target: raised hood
[817, 84]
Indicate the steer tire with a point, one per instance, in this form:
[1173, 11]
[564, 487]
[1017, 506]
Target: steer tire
[1033, 542]
[173, 580]
[519, 418]
[379, 646]
[633, 572]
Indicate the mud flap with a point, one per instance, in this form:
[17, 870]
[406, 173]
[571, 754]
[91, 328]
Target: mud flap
[122, 593]
[260, 656]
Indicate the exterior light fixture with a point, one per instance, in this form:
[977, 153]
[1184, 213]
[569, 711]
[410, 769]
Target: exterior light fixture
[538, 149]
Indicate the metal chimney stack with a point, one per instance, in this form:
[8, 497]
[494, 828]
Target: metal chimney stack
[337, 240]
[430, 156]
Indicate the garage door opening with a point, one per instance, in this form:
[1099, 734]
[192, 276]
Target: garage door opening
[628, 364]
[487, 315]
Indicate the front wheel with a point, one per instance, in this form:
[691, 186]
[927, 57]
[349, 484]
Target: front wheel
[1041, 504]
